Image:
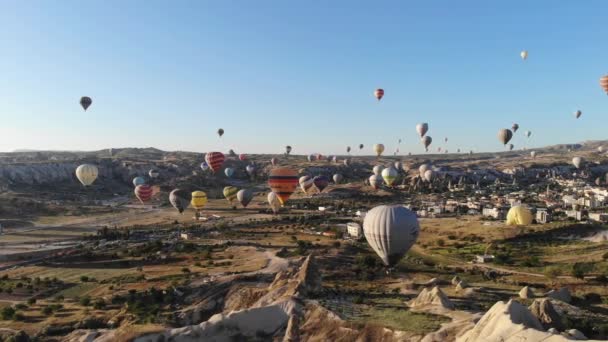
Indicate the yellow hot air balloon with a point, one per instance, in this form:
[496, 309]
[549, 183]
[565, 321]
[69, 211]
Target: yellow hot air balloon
[87, 174]
[519, 216]
[199, 200]
[378, 148]
[230, 193]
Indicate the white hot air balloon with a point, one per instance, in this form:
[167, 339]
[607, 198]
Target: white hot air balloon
[422, 128]
[524, 55]
[533, 154]
[577, 162]
[338, 178]
[378, 170]
[389, 175]
[87, 174]
[422, 169]
[600, 149]
[375, 181]
[274, 202]
[428, 175]
[391, 231]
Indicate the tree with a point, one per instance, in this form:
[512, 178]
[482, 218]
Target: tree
[7, 313]
[85, 301]
[580, 269]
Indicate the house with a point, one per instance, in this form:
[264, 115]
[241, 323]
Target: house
[354, 230]
[575, 214]
[482, 259]
[599, 217]
[185, 236]
[542, 216]
[496, 213]
[330, 234]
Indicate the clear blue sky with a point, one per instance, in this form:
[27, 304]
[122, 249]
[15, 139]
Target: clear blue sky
[168, 74]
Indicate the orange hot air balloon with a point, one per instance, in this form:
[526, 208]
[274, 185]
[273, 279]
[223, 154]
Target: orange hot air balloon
[144, 192]
[604, 83]
[283, 181]
[379, 93]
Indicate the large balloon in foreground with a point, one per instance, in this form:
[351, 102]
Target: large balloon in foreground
[379, 93]
[515, 127]
[229, 172]
[244, 197]
[426, 142]
[321, 182]
[215, 160]
[524, 55]
[87, 174]
[422, 128]
[230, 193]
[604, 83]
[199, 200]
[274, 202]
[139, 181]
[577, 162]
[220, 132]
[578, 114]
[391, 231]
[143, 192]
[389, 175]
[306, 183]
[85, 102]
[283, 181]
[519, 216]
[375, 181]
[378, 148]
[180, 199]
[504, 135]
[338, 178]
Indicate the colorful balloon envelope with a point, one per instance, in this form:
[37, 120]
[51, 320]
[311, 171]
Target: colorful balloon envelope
[244, 197]
[229, 172]
[199, 200]
[283, 181]
[215, 160]
[515, 127]
[144, 192]
[422, 128]
[321, 182]
[139, 181]
[242, 157]
[504, 135]
[85, 102]
[377, 170]
[311, 157]
[389, 175]
[306, 182]
[87, 174]
[180, 199]
[426, 142]
[230, 193]
[604, 83]
[379, 94]
[204, 166]
[347, 162]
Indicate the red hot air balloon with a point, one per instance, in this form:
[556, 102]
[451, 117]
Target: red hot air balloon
[242, 157]
[379, 93]
[215, 160]
[604, 83]
[283, 182]
[144, 192]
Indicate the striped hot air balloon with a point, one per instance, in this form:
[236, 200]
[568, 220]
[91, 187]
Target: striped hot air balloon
[283, 181]
[215, 160]
[199, 200]
[321, 182]
[144, 192]
[379, 93]
[306, 183]
[230, 193]
[604, 83]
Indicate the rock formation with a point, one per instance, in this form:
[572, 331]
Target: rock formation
[432, 297]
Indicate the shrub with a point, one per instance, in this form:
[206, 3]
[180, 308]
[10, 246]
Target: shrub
[7, 313]
[47, 310]
[84, 278]
[31, 301]
[440, 243]
[85, 301]
[185, 270]
[99, 304]
[580, 269]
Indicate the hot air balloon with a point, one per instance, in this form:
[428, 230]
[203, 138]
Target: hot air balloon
[321, 182]
[215, 160]
[87, 174]
[379, 93]
[378, 148]
[153, 173]
[578, 114]
[338, 178]
[319, 156]
[244, 197]
[334, 159]
[426, 142]
[311, 158]
[398, 165]
[283, 181]
[361, 146]
[287, 149]
[85, 102]
[220, 132]
[274, 202]
[458, 151]
[524, 55]
[306, 183]
[428, 175]
[204, 166]
[577, 162]
[375, 181]
[274, 161]
[422, 128]
[391, 230]
[445, 139]
[143, 192]
[242, 157]
[439, 149]
[180, 199]
[515, 127]
[229, 172]
[346, 162]
[600, 149]
[527, 134]
[511, 147]
[389, 175]
[533, 154]
[604, 83]
[250, 170]
[199, 200]
[504, 135]
[347, 149]
[519, 216]
[422, 169]
[230, 193]
[377, 170]
[139, 181]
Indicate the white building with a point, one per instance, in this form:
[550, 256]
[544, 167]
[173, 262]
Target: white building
[542, 216]
[598, 217]
[354, 230]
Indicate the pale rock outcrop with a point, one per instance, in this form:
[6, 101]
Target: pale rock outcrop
[432, 296]
[546, 314]
[562, 294]
[526, 292]
[455, 280]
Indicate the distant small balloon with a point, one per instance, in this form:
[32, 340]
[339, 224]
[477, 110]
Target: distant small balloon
[85, 102]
